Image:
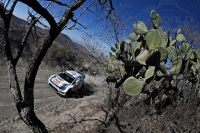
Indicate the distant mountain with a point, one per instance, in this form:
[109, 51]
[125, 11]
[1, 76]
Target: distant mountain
[19, 26]
[64, 39]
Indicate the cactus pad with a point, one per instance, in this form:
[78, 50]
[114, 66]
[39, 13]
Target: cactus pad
[172, 42]
[155, 19]
[153, 39]
[136, 45]
[163, 43]
[188, 54]
[185, 47]
[178, 31]
[110, 68]
[163, 52]
[141, 58]
[133, 86]
[173, 52]
[139, 27]
[133, 36]
[126, 40]
[180, 38]
[196, 64]
[159, 73]
[112, 59]
[150, 72]
[176, 66]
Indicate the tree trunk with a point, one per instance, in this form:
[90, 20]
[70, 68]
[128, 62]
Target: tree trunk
[27, 114]
[25, 110]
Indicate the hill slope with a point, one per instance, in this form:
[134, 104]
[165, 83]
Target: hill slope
[19, 26]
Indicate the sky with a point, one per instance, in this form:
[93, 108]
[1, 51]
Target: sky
[172, 12]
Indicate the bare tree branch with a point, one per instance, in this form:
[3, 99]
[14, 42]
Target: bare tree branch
[7, 3]
[6, 18]
[109, 9]
[13, 80]
[76, 20]
[34, 20]
[42, 11]
[19, 51]
[69, 13]
[2, 12]
[59, 3]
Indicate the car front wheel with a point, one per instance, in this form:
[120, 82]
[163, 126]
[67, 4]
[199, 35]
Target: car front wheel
[68, 94]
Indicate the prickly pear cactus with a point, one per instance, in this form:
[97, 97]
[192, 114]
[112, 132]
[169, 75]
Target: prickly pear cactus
[133, 86]
[153, 39]
[139, 27]
[144, 56]
[155, 19]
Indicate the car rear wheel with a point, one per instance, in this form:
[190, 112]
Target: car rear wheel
[82, 87]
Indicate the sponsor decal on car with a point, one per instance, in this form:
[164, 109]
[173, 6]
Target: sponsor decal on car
[56, 81]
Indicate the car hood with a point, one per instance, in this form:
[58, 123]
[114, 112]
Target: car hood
[59, 81]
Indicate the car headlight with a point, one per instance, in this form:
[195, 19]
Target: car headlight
[52, 77]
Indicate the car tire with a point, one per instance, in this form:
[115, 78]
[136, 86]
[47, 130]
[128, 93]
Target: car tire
[82, 87]
[68, 94]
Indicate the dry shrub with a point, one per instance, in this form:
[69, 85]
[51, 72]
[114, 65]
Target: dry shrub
[138, 117]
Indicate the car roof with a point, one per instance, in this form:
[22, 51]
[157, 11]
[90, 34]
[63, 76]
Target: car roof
[74, 73]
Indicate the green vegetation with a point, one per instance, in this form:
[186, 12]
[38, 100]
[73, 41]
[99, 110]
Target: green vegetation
[143, 58]
[60, 56]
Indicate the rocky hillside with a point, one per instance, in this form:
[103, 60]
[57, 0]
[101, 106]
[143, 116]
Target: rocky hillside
[19, 25]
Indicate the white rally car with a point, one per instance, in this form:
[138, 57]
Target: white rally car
[66, 82]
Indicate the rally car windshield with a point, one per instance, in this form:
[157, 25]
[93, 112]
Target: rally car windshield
[66, 77]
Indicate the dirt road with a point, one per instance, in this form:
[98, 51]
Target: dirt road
[56, 112]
